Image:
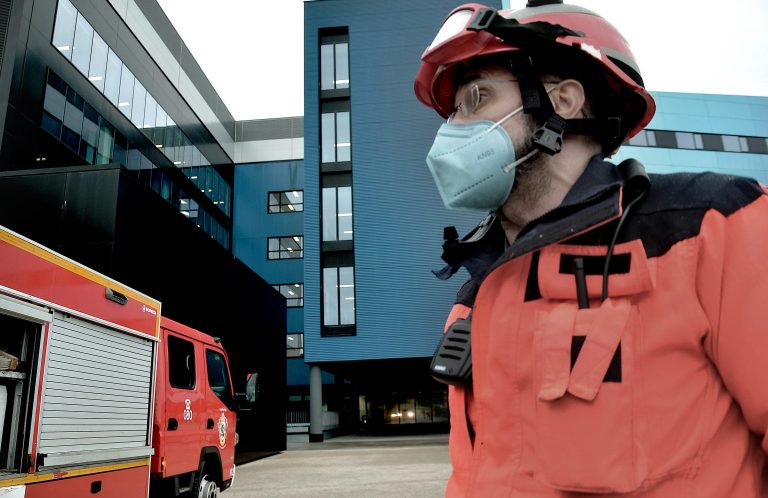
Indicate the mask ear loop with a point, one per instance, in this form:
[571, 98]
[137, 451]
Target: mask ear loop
[515, 164]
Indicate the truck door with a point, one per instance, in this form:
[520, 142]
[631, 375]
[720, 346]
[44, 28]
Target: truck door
[220, 419]
[184, 405]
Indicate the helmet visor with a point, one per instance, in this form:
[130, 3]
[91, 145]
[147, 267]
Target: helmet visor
[454, 41]
[453, 25]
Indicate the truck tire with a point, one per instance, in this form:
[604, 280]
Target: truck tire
[208, 487]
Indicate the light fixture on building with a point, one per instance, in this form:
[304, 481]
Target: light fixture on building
[95, 78]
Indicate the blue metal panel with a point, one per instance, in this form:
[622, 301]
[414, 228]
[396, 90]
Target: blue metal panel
[398, 214]
[723, 114]
[252, 224]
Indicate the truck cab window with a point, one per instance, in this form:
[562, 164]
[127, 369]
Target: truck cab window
[181, 363]
[218, 378]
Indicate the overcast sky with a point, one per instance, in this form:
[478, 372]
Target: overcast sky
[252, 50]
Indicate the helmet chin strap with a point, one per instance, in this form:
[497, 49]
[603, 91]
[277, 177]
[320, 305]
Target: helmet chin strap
[538, 37]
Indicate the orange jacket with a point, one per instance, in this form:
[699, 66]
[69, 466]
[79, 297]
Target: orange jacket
[661, 390]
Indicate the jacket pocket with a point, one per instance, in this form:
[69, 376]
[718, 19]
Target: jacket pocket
[589, 429]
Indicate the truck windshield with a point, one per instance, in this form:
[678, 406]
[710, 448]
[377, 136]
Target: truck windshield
[218, 377]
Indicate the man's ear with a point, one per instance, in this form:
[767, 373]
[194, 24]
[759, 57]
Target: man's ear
[568, 99]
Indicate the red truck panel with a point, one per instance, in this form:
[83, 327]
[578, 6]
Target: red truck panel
[41, 273]
[126, 483]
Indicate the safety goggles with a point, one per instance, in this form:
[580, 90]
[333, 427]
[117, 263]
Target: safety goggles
[475, 96]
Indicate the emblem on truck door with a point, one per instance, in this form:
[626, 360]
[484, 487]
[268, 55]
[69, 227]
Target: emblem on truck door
[187, 409]
[223, 431]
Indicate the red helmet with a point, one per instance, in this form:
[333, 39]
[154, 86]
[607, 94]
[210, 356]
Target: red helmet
[544, 28]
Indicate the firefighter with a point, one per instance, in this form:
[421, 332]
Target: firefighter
[618, 344]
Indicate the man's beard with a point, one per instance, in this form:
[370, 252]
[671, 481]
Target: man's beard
[531, 178]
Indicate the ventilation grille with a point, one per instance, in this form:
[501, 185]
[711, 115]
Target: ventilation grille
[5, 16]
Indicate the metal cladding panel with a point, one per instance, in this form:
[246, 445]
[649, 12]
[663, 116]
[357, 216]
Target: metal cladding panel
[398, 215]
[252, 223]
[97, 392]
[702, 113]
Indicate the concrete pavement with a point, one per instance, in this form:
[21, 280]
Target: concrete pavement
[349, 466]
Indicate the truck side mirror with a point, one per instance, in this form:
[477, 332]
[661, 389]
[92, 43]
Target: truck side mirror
[252, 388]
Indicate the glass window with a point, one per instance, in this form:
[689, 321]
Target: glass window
[666, 139]
[293, 293]
[120, 154]
[326, 66]
[125, 99]
[286, 202]
[181, 363]
[73, 112]
[328, 133]
[759, 145]
[285, 247]
[685, 140]
[339, 296]
[731, 143]
[711, 141]
[150, 116]
[64, 32]
[698, 142]
[337, 213]
[336, 143]
[342, 65]
[161, 121]
[218, 374]
[112, 77]
[106, 142]
[55, 101]
[90, 134]
[51, 124]
[743, 144]
[81, 49]
[295, 345]
[343, 144]
[98, 67]
[139, 98]
[334, 62]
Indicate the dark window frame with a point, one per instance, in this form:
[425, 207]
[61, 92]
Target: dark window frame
[298, 348]
[293, 285]
[283, 253]
[172, 375]
[282, 208]
[227, 395]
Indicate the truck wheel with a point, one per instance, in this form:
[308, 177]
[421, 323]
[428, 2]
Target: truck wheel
[208, 488]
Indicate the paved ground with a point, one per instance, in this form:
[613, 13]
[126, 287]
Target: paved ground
[349, 466]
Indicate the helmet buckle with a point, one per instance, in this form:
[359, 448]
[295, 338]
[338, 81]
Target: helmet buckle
[549, 138]
[482, 19]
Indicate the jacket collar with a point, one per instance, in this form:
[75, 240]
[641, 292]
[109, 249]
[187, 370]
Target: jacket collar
[593, 200]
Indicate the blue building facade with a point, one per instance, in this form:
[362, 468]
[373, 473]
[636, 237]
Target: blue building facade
[373, 310]
[372, 219]
[695, 132]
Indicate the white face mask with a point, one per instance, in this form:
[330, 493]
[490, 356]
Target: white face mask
[474, 164]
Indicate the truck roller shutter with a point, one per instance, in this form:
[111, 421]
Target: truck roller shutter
[96, 404]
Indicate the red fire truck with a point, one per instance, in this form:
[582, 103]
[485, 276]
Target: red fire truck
[90, 373]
